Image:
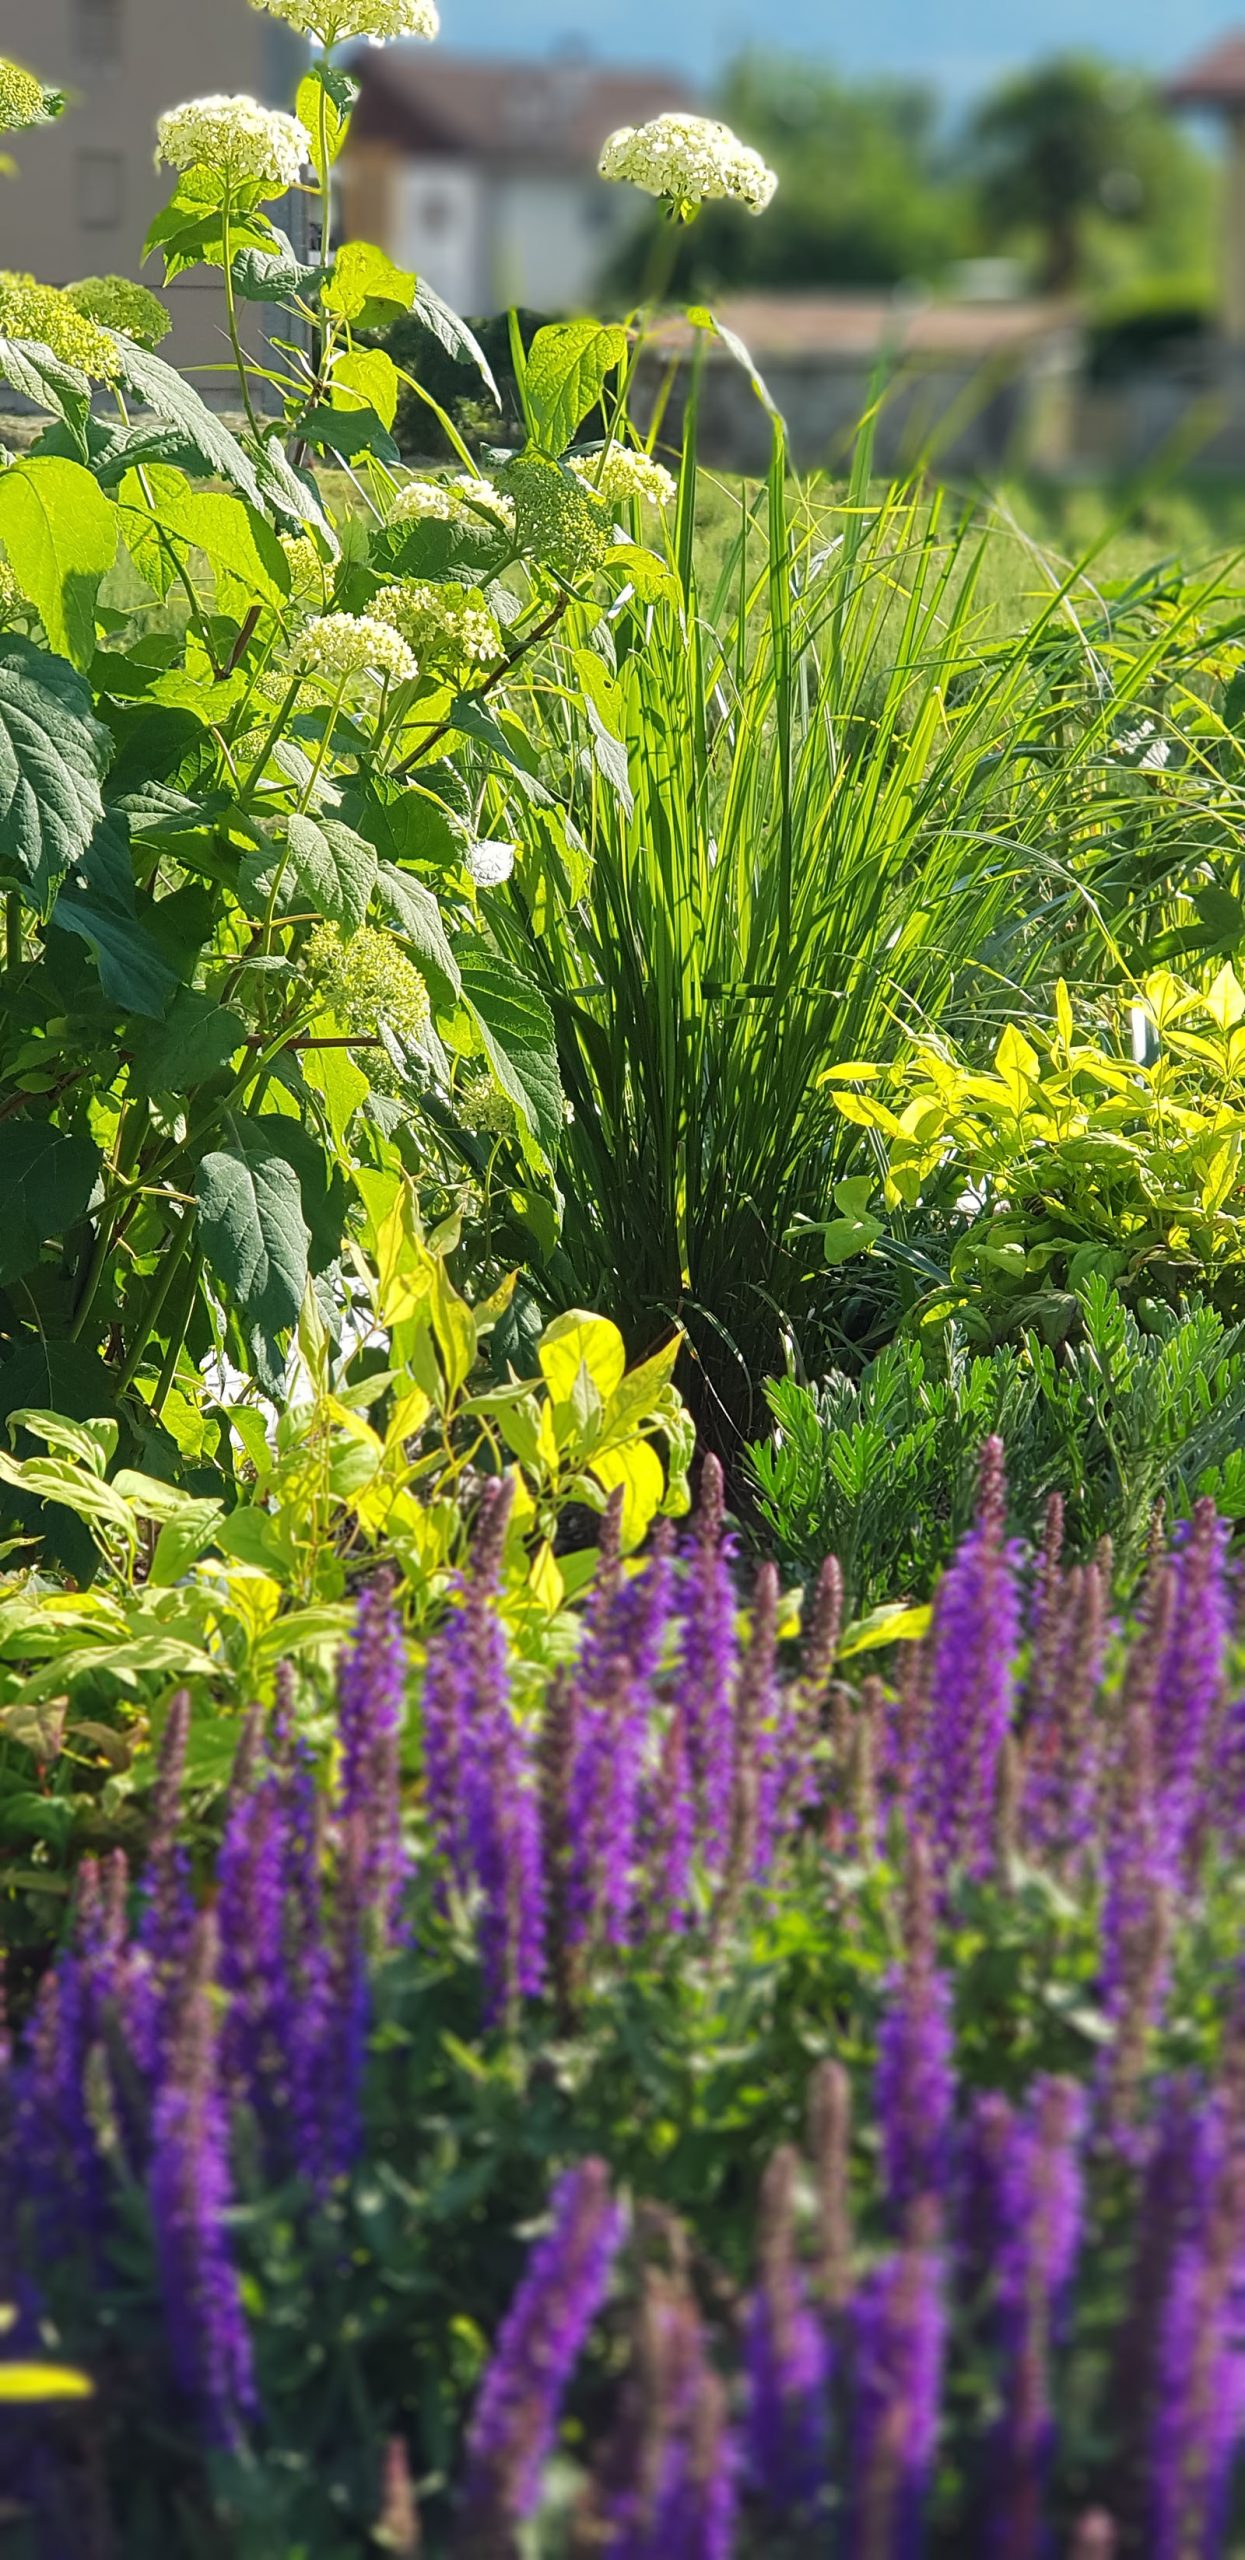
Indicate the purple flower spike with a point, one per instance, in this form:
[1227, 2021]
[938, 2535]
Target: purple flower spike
[371, 1691]
[898, 2330]
[1200, 2394]
[168, 1909]
[209, 2347]
[1038, 2217]
[519, 2404]
[786, 2363]
[709, 1663]
[915, 2084]
[971, 1675]
[1061, 1757]
[1189, 1681]
[610, 1732]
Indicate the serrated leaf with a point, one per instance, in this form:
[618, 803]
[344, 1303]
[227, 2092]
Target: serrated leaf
[53, 756]
[61, 537]
[196, 1040]
[453, 334]
[98, 904]
[47, 1176]
[516, 1028]
[172, 398]
[255, 1241]
[236, 540]
[323, 865]
[568, 366]
[363, 274]
[366, 378]
[50, 383]
[414, 911]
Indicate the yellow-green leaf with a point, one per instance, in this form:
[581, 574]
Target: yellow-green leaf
[578, 1341]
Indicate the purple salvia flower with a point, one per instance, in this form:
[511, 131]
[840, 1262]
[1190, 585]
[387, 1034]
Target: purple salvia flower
[167, 1913]
[610, 1732]
[338, 2059]
[1136, 1901]
[699, 2506]
[897, 2333]
[371, 1690]
[209, 2346]
[667, 2487]
[1189, 1681]
[1199, 2413]
[466, 1695]
[708, 1663]
[58, 2157]
[786, 2363]
[829, 2145]
[668, 1831]
[517, 2410]
[641, 1613]
[503, 1820]
[971, 1674]
[260, 2028]
[762, 1752]
[1061, 1760]
[1039, 2216]
[914, 2086]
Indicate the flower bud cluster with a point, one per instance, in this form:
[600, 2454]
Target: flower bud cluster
[367, 981]
[43, 314]
[447, 627]
[459, 501]
[23, 100]
[117, 303]
[339, 646]
[622, 473]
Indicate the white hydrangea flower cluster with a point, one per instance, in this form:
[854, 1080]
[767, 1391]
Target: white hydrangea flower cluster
[238, 139]
[23, 100]
[444, 626]
[622, 474]
[367, 981]
[687, 159]
[454, 501]
[339, 646]
[484, 1108]
[337, 21]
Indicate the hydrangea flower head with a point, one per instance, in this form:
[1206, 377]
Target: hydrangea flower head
[236, 138]
[368, 980]
[623, 473]
[687, 160]
[442, 626]
[339, 646]
[42, 314]
[455, 501]
[23, 100]
[335, 21]
[116, 302]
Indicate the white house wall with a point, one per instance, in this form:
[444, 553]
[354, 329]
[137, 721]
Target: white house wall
[441, 231]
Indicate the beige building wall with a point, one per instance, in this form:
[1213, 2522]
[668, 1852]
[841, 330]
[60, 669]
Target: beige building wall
[88, 188]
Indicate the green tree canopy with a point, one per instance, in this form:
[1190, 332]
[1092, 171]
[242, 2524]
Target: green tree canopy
[1073, 148]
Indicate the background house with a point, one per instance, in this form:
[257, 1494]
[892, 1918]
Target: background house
[88, 187]
[482, 174]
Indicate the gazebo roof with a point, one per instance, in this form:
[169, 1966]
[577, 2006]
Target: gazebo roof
[1215, 78]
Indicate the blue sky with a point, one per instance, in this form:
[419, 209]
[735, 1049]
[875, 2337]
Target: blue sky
[958, 43]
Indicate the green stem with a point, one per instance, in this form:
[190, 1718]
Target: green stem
[326, 192]
[13, 931]
[164, 1280]
[177, 1334]
[232, 312]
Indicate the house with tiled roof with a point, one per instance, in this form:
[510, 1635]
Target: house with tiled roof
[481, 174]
